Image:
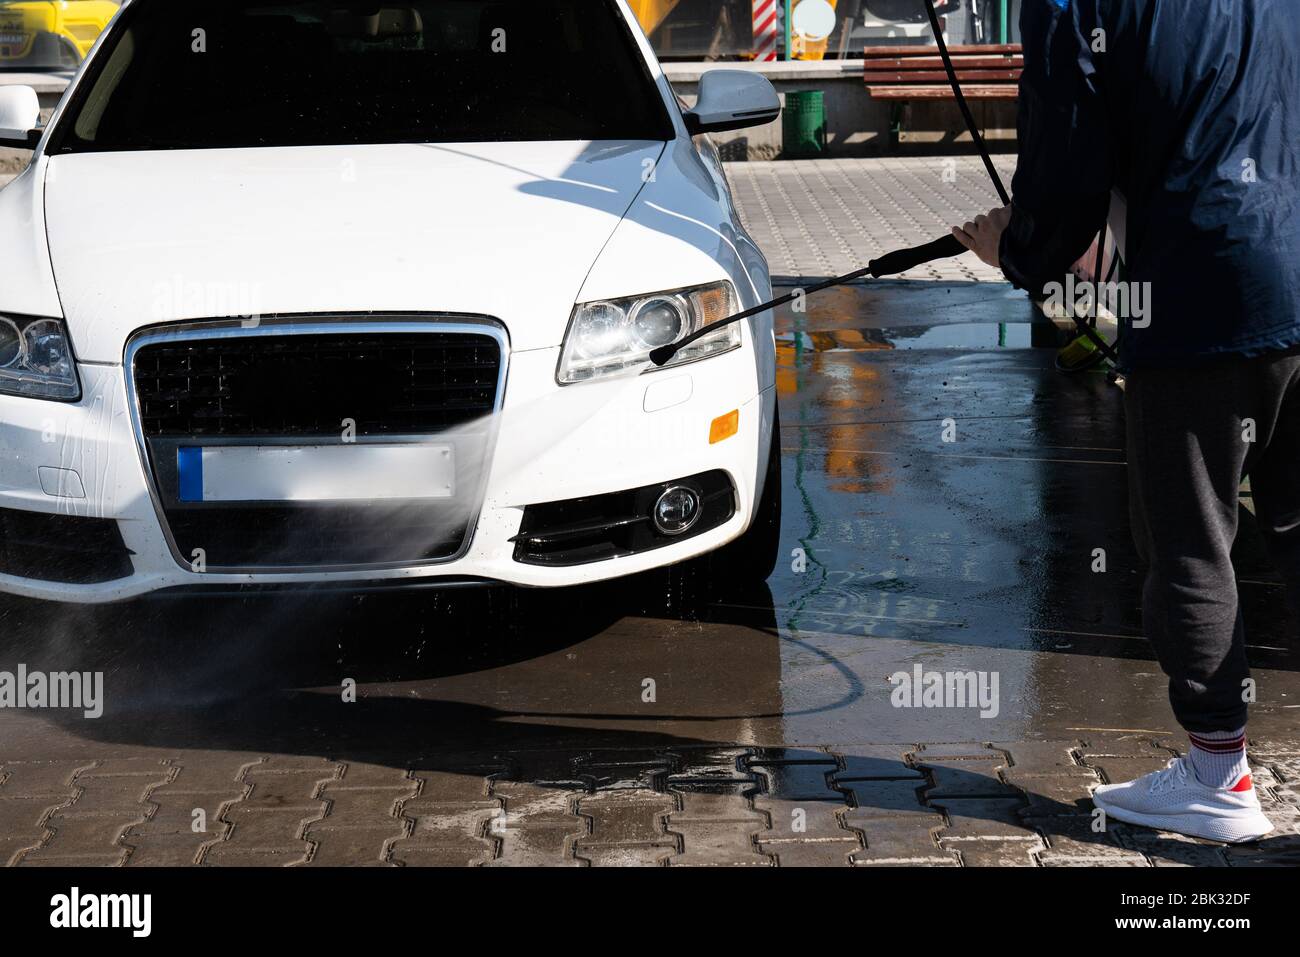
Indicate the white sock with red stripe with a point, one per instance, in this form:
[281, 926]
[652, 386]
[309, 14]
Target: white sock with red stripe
[1219, 759]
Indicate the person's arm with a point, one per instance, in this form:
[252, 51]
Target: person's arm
[1061, 189]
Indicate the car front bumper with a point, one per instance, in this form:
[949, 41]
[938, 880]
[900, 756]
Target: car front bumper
[552, 444]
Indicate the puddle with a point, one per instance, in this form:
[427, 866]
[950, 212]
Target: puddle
[959, 335]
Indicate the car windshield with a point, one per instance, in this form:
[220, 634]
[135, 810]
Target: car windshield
[202, 74]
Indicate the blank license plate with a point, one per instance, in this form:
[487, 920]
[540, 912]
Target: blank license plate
[315, 473]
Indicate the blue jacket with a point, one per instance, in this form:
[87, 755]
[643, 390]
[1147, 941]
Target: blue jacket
[1191, 109]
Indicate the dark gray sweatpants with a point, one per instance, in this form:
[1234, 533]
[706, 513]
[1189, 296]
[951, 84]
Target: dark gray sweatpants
[1187, 454]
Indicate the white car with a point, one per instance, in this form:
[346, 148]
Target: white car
[329, 293]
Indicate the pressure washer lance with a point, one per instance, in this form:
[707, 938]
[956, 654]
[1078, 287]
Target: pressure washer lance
[890, 264]
[900, 260]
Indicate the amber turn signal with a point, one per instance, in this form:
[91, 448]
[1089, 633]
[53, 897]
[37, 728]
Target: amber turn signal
[724, 427]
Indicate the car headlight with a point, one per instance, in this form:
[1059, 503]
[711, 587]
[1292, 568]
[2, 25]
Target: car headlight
[616, 336]
[36, 359]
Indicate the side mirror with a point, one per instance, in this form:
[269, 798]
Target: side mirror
[732, 100]
[20, 112]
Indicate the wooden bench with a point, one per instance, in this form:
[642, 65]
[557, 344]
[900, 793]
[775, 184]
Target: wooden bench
[902, 74]
[986, 72]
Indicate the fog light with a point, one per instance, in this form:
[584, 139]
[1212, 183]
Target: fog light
[677, 510]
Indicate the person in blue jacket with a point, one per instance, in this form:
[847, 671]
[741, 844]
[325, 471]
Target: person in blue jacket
[1190, 111]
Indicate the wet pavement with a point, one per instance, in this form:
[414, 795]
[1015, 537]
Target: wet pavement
[629, 723]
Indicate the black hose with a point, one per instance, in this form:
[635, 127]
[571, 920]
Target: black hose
[962, 105]
[1087, 328]
[901, 260]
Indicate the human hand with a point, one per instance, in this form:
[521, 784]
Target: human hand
[983, 236]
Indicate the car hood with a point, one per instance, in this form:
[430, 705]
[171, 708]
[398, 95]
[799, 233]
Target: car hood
[508, 230]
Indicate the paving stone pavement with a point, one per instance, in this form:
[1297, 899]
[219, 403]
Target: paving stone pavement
[828, 217]
[1006, 804]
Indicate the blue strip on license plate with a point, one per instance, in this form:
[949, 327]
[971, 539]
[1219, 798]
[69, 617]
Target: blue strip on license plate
[189, 466]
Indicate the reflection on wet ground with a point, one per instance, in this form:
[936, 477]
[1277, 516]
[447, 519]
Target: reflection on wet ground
[981, 550]
[901, 549]
[963, 335]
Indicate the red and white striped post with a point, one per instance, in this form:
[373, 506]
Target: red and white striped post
[765, 30]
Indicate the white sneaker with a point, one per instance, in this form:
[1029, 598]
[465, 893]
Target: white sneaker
[1173, 800]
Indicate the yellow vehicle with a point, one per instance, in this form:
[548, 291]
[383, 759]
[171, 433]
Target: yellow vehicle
[40, 35]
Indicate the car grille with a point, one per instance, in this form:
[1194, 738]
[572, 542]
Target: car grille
[307, 388]
[291, 385]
